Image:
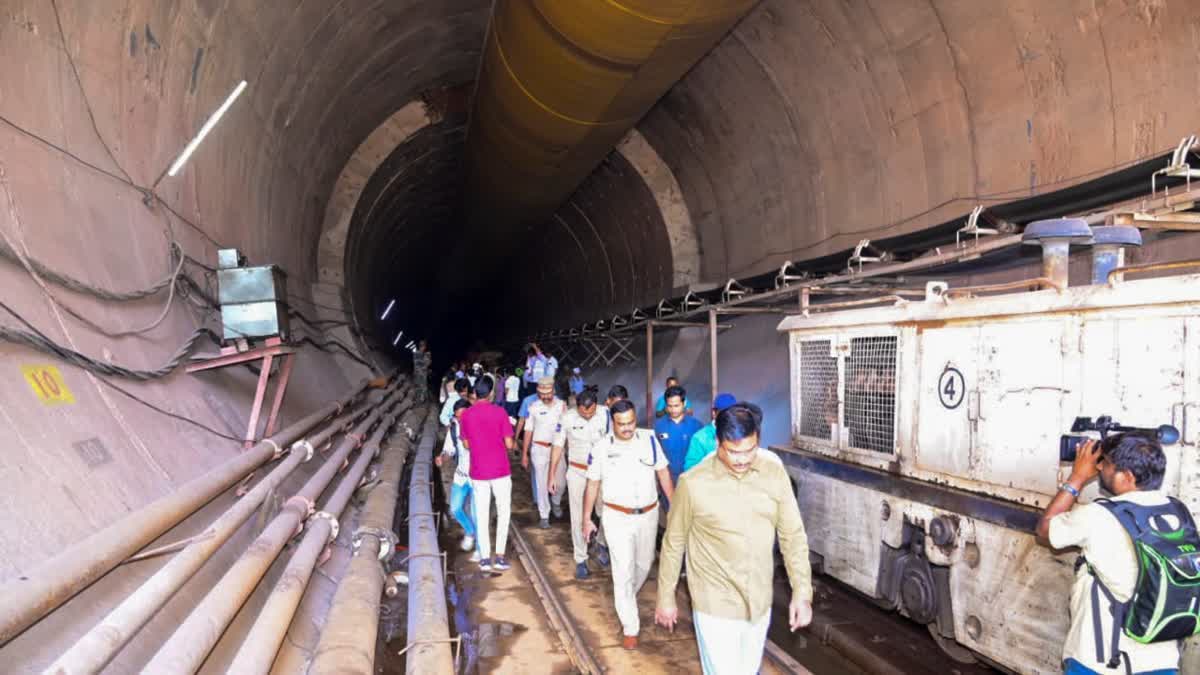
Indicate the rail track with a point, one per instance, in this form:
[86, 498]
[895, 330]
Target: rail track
[567, 625]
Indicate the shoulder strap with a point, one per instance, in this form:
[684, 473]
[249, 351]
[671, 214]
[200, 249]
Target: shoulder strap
[654, 448]
[454, 433]
[1118, 610]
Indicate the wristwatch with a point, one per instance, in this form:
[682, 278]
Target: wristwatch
[1067, 487]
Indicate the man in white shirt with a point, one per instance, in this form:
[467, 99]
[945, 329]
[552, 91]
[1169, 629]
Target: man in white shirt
[461, 385]
[623, 473]
[1130, 468]
[512, 394]
[579, 432]
[538, 438]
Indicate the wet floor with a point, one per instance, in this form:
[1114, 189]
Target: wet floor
[504, 627]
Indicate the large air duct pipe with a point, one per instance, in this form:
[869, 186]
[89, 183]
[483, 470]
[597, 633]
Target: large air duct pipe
[561, 83]
[1055, 236]
[41, 590]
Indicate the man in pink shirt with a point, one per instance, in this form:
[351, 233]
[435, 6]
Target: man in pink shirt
[488, 434]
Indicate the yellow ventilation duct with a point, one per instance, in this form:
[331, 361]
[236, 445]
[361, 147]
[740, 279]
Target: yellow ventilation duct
[562, 81]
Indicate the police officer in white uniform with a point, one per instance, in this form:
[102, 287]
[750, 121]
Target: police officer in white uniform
[545, 414]
[622, 475]
[581, 429]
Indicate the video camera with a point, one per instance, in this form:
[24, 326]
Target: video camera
[1068, 444]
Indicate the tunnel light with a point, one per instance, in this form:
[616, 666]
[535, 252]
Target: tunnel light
[397, 340]
[208, 126]
[389, 311]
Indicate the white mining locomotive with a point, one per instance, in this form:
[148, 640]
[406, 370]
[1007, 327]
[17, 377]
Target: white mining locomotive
[926, 440]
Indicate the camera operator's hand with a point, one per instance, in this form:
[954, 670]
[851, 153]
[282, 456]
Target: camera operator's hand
[1086, 464]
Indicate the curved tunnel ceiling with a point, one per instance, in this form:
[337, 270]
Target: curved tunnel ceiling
[809, 126]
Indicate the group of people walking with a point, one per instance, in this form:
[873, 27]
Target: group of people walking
[726, 501]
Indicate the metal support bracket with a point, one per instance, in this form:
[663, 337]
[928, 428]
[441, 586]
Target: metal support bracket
[273, 348]
[864, 252]
[787, 274]
[972, 227]
[1178, 168]
[732, 291]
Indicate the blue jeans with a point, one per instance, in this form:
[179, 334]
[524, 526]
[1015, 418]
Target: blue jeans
[459, 495]
[1073, 667]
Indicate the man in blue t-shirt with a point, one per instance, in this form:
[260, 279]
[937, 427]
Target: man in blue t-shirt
[523, 412]
[676, 429]
[660, 407]
[704, 442]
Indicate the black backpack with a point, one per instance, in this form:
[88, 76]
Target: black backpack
[1165, 604]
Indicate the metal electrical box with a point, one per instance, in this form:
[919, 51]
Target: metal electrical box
[253, 299]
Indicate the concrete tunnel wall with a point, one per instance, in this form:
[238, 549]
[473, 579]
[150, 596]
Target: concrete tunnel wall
[811, 125]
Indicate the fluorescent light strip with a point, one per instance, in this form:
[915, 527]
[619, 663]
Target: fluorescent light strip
[388, 310]
[397, 340]
[208, 126]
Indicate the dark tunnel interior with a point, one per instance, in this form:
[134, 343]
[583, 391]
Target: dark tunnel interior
[476, 172]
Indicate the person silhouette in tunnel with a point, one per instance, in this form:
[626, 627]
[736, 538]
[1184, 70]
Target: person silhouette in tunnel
[422, 359]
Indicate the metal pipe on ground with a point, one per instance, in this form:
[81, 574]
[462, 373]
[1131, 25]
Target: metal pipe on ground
[347, 643]
[262, 641]
[189, 645]
[40, 591]
[428, 626]
[96, 648]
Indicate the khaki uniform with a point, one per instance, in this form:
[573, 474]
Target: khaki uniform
[627, 471]
[544, 424]
[579, 437]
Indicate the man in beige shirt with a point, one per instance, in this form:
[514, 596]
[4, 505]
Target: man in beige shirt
[627, 468]
[725, 514]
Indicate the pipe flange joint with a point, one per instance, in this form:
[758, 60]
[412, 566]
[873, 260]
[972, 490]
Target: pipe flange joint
[333, 523]
[307, 446]
[387, 540]
[278, 450]
[307, 506]
[357, 438]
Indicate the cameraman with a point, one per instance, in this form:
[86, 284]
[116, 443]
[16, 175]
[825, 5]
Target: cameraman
[1130, 467]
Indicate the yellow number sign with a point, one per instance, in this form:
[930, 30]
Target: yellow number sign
[47, 384]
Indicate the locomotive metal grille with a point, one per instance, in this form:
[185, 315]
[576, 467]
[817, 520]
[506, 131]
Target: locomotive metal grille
[818, 389]
[869, 393]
